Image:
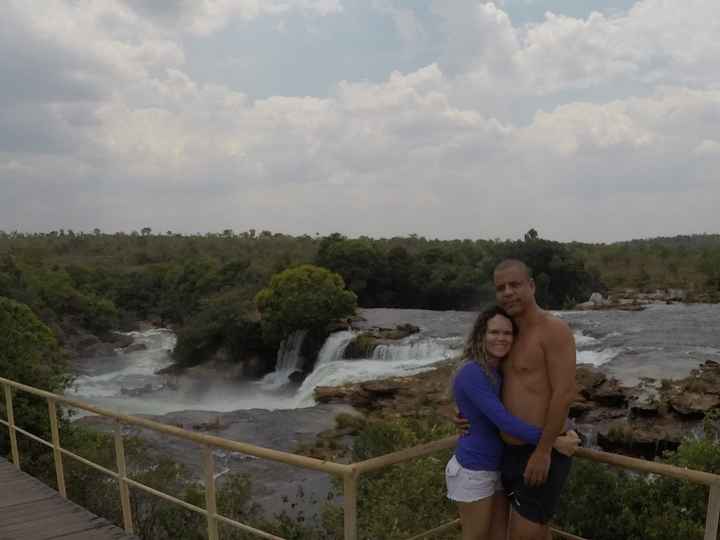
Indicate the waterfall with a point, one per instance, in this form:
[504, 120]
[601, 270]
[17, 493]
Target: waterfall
[413, 349]
[407, 357]
[334, 347]
[288, 361]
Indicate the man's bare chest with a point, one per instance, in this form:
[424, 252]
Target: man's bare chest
[527, 357]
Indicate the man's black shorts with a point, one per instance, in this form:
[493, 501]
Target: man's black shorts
[538, 503]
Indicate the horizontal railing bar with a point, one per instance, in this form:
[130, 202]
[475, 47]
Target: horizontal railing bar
[663, 469]
[90, 463]
[218, 442]
[199, 510]
[641, 465]
[404, 455]
[562, 534]
[442, 528]
[167, 497]
[33, 436]
[248, 528]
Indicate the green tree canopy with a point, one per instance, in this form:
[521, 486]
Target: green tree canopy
[306, 297]
[29, 354]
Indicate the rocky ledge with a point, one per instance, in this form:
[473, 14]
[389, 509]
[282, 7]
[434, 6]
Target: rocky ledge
[644, 420]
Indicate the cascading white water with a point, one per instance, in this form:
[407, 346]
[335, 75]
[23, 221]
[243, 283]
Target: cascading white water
[408, 357]
[413, 348]
[334, 347]
[288, 361]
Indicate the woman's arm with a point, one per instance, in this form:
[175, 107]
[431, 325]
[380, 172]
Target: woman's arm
[478, 388]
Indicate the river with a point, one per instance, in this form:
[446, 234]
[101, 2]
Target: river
[662, 341]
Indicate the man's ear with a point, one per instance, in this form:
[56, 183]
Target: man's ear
[532, 285]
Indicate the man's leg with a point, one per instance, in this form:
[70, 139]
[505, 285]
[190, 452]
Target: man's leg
[499, 520]
[521, 528]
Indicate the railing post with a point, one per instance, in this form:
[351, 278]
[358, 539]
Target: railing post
[713, 513]
[122, 478]
[11, 426]
[350, 506]
[210, 498]
[57, 454]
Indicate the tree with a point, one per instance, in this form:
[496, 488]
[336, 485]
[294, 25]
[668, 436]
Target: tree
[306, 297]
[531, 235]
[146, 231]
[29, 354]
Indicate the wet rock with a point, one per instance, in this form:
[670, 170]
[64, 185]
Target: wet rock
[98, 349]
[588, 379]
[135, 392]
[610, 394]
[645, 408]
[119, 340]
[364, 344]
[331, 394]
[580, 407]
[85, 341]
[646, 439]
[694, 405]
[297, 376]
[135, 347]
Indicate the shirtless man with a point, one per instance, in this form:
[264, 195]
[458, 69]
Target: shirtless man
[538, 387]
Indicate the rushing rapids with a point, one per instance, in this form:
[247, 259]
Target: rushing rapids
[662, 341]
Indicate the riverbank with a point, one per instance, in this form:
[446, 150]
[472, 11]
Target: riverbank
[642, 420]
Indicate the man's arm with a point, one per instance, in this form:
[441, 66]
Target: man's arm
[559, 349]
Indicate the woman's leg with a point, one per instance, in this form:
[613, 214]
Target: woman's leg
[500, 514]
[475, 518]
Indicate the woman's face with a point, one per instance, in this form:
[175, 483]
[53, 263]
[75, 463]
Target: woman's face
[498, 337]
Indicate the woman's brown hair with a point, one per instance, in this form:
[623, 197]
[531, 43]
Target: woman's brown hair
[475, 343]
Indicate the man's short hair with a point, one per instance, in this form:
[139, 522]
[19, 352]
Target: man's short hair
[506, 264]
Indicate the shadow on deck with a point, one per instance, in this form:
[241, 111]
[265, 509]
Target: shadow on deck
[30, 510]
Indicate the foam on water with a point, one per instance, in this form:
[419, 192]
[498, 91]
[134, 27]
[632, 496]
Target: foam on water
[415, 348]
[582, 340]
[597, 358]
[127, 370]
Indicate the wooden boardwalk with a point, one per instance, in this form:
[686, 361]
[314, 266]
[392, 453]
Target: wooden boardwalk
[30, 510]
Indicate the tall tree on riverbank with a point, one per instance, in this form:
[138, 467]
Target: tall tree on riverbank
[306, 297]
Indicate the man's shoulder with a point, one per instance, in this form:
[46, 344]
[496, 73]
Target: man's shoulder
[555, 322]
[554, 328]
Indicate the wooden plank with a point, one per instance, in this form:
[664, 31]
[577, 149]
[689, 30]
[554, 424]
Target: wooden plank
[30, 510]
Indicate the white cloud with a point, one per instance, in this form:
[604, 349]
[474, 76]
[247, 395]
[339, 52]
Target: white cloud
[123, 127]
[202, 17]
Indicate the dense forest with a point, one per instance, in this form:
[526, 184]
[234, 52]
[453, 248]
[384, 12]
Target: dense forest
[207, 286]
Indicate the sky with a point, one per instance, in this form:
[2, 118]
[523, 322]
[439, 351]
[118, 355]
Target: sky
[588, 120]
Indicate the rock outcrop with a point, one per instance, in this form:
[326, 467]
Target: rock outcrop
[644, 420]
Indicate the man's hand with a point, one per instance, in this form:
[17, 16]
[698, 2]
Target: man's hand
[537, 468]
[567, 444]
[461, 423]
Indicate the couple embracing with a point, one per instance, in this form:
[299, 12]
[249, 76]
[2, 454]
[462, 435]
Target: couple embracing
[513, 394]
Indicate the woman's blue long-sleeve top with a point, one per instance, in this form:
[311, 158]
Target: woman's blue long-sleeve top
[478, 399]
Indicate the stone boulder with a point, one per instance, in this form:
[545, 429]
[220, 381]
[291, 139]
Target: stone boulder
[119, 340]
[135, 347]
[646, 439]
[588, 379]
[610, 394]
[97, 350]
[694, 405]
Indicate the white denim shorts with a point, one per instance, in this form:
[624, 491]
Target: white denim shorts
[465, 485]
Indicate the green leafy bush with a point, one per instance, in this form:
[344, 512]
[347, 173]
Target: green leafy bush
[306, 297]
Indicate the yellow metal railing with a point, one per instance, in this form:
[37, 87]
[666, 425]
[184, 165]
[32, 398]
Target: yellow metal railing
[348, 473]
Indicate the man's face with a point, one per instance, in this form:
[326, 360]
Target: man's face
[514, 290]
